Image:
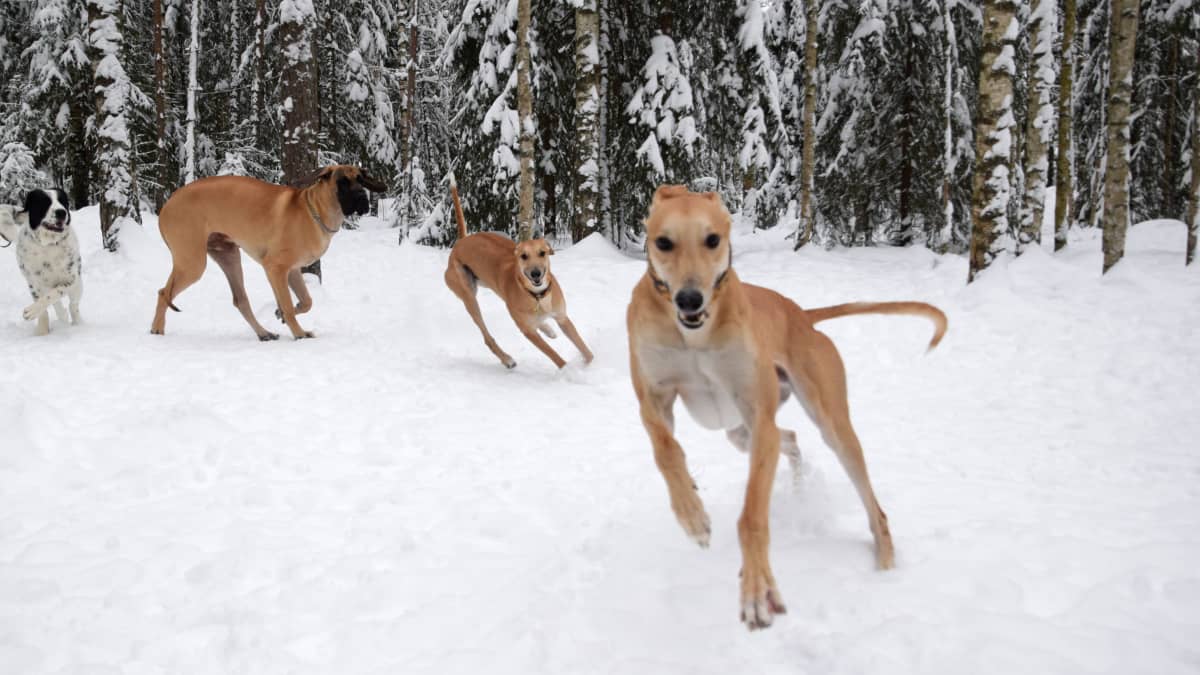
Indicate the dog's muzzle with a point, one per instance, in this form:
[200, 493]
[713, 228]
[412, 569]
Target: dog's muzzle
[690, 303]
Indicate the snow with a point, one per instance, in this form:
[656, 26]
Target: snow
[387, 498]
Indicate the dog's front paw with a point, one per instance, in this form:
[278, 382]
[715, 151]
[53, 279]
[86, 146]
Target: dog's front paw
[760, 599]
[32, 312]
[304, 335]
[689, 511]
[267, 336]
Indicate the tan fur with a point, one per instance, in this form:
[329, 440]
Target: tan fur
[754, 348]
[498, 263]
[271, 223]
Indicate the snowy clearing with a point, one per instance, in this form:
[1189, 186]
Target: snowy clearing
[388, 499]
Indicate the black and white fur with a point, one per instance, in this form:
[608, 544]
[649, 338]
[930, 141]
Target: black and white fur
[48, 255]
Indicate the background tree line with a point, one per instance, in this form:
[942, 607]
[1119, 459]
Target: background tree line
[940, 123]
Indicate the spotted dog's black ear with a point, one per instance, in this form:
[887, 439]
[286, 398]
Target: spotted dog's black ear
[64, 199]
[37, 203]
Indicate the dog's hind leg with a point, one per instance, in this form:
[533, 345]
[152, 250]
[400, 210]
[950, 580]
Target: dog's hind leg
[740, 438]
[460, 280]
[183, 274]
[60, 312]
[229, 258]
[820, 381]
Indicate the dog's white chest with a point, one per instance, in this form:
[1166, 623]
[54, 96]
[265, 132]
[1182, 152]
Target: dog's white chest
[710, 382]
[48, 260]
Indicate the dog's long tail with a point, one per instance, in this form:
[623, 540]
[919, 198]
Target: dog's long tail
[909, 308]
[458, 212]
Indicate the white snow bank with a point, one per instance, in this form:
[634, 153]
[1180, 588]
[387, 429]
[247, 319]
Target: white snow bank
[387, 498]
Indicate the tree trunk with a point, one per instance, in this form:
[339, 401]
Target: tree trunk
[160, 109]
[301, 107]
[189, 147]
[525, 120]
[407, 212]
[950, 55]
[990, 234]
[587, 120]
[1063, 178]
[809, 140]
[1038, 118]
[256, 105]
[1120, 99]
[111, 127]
[1169, 177]
[1193, 216]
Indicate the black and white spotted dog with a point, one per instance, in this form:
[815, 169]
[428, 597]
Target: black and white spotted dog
[47, 253]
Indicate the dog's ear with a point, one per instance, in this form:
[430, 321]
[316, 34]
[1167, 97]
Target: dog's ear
[549, 248]
[665, 192]
[314, 178]
[370, 182]
[37, 203]
[64, 199]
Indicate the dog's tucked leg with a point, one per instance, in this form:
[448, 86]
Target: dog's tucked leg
[278, 274]
[668, 455]
[547, 330]
[532, 335]
[42, 304]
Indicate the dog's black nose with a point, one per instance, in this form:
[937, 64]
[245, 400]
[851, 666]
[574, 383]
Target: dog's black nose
[61, 214]
[535, 273]
[689, 300]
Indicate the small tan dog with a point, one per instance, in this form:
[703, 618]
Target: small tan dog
[734, 353]
[520, 275]
[283, 228]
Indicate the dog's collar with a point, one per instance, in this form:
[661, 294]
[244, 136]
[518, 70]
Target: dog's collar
[538, 295]
[665, 290]
[317, 216]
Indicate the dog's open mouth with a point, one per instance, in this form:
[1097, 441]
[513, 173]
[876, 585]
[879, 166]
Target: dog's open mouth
[55, 226]
[692, 321]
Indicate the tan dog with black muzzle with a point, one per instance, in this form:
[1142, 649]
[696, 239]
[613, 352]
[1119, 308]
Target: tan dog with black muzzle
[517, 272]
[283, 228]
[734, 353]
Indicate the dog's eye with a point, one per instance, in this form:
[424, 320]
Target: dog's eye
[712, 240]
[541, 254]
[664, 244]
[524, 256]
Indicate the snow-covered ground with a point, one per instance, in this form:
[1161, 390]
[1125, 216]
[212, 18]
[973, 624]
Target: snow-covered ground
[388, 499]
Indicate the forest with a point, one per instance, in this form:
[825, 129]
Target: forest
[935, 123]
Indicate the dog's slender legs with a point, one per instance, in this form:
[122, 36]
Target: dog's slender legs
[760, 597]
[668, 455]
[74, 294]
[278, 276]
[229, 259]
[568, 329]
[180, 278]
[822, 385]
[531, 334]
[464, 288]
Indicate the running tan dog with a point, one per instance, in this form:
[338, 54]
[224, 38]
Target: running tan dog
[283, 228]
[734, 353]
[520, 275]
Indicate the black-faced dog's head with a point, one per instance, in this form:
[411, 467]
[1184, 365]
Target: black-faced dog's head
[352, 185]
[49, 209]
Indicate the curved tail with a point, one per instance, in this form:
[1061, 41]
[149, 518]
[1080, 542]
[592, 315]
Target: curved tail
[910, 308]
[458, 212]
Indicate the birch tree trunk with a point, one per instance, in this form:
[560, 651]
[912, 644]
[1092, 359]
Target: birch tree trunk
[189, 147]
[807, 157]
[160, 107]
[525, 120]
[1064, 194]
[1120, 99]
[587, 119]
[1193, 216]
[1038, 120]
[950, 56]
[990, 235]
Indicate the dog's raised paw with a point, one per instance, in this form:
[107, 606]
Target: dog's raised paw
[689, 511]
[31, 312]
